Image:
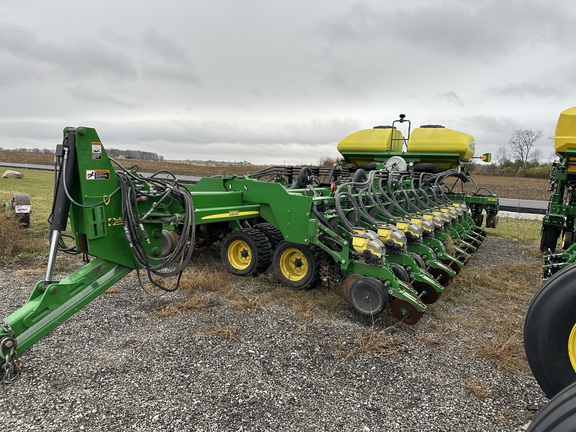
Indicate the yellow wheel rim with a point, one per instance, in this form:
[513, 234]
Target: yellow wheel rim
[239, 254]
[572, 347]
[293, 264]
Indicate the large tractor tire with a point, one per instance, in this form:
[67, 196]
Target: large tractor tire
[559, 415]
[550, 332]
[549, 238]
[274, 234]
[297, 266]
[246, 252]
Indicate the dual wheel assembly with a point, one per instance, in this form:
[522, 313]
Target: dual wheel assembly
[251, 251]
[550, 344]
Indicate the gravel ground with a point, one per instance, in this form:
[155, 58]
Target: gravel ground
[118, 366]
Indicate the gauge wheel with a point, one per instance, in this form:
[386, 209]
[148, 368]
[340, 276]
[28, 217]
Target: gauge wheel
[419, 260]
[274, 234]
[405, 312]
[297, 266]
[246, 252]
[368, 296]
[550, 332]
[400, 272]
[549, 238]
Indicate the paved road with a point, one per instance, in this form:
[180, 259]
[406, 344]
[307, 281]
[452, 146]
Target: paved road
[506, 204]
[523, 206]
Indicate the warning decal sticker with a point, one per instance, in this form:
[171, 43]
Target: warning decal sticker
[97, 175]
[96, 150]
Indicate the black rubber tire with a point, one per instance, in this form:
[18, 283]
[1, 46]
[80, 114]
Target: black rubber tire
[559, 415]
[255, 244]
[274, 234]
[549, 238]
[428, 167]
[289, 258]
[304, 178]
[549, 321]
[368, 296]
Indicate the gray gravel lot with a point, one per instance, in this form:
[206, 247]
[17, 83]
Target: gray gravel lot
[118, 366]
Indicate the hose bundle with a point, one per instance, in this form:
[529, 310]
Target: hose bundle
[160, 191]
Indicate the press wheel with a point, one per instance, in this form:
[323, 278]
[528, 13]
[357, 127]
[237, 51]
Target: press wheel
[427, 292]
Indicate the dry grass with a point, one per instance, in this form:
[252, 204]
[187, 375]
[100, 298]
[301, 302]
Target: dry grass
[229, 332]
[496, 297]
[477, 389]
[196, 301]
[508, 354]
[10, 236]
[375, 342]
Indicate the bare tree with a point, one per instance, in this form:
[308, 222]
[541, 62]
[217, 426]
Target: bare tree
[502, 156]
[536, 154]
[521, 143]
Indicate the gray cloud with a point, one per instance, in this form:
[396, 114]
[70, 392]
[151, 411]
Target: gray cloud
[253, 80]
[525, 89]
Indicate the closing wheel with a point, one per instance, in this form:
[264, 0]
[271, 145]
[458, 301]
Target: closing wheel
[246, 252]
[559, 415]
[549, 238]
[426, 292]
[550, 332]
[405, 312]
[297, 266]
[368, 296]
[442, 276]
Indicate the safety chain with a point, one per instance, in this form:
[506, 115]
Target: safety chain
[9, 367]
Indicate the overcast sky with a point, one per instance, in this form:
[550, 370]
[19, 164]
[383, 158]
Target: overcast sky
[280, 81]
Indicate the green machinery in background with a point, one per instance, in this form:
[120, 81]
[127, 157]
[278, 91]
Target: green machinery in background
[550, 323]
[390, 233]
[550, 326]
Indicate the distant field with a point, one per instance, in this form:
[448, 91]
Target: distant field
[504, 187]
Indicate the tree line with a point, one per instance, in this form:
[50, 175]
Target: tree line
[520, 157]
[115, 153]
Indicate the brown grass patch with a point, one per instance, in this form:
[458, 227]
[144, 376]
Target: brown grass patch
[196, 301]
[228, 331]
[477, 389]
[497, 298]
[307, 304]
[508, 354]
[206, 279]
[375, 342]
[10, 236]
